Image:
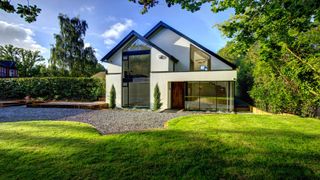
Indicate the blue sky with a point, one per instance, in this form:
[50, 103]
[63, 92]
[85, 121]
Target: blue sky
[109, 21]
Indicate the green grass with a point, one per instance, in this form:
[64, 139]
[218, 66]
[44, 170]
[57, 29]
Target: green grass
[194, 147]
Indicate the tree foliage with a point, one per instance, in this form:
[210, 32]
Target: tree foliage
[245, 65]
[26, 60]
[28, 12]
[286, 39]
[190, 5]
[52, 88]
[112, 102]
[69, 51]
[156, 98]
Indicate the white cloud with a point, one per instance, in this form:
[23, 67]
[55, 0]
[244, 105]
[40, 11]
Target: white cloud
[109, 42]
[115, 31]
[18, 36]
[87, 9]
[96, 51]
[87, 45]
[110, 18]
[98, 55]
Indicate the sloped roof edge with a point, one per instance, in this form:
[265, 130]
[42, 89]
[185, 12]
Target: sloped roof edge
[164, 25]
[127, 38]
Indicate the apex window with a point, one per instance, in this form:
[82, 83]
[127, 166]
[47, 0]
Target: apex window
[199, 60]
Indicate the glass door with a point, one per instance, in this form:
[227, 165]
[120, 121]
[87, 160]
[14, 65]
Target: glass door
[210, 96]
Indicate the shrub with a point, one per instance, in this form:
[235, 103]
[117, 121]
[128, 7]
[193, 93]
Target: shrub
[112, 97]
[156, 98]
[53, 88]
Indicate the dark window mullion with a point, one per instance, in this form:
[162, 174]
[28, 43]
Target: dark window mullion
[215, 86]
[199, 94]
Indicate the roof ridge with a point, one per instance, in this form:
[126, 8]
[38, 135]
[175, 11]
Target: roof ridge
[163, 24]
[127, 38]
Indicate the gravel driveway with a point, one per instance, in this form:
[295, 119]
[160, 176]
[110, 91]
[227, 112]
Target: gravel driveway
[106, 121]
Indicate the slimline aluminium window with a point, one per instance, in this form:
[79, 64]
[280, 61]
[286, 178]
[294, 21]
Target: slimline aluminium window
[199, 60]
[210, 95]
[136, 75]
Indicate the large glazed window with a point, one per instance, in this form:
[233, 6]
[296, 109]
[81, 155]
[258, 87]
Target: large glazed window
[136, 45]
[192, 96]
[136, 75]
[212, 96]
[199, 60]
[207, 96]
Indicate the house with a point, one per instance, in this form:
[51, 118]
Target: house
[189, 75]
[8, 69]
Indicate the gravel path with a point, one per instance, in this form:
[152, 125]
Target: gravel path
[106, 121]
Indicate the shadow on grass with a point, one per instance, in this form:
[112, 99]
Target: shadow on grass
[265, 133]
[151, 154]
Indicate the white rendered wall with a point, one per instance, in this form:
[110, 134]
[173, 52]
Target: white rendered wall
[179, 47]
[174, 45]
[216, 64]
[116, 59]
[112, 68]
[158, 64]
[164, 79]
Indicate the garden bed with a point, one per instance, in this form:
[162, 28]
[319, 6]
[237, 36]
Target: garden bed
[12, 103]
[66, 104]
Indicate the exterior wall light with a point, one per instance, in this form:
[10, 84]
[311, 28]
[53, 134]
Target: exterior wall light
[162, 57]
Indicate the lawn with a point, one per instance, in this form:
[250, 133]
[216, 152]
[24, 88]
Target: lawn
[193, 147]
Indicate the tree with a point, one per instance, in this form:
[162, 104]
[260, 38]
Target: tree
[27, 64]
[112, 97]
[69, 52]
[26, 60]
[190, 5]
[28, 12]
[9, 53]
[245, 65]
[156, 98]
[286, 35]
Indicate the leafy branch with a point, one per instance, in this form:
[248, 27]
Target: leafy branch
[28, 12]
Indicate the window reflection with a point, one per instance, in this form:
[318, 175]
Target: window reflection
[199, 60]
[212, 96]
[136, 81]
[136, 75]
[136, 45]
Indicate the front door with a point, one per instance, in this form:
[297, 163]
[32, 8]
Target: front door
[177, 95]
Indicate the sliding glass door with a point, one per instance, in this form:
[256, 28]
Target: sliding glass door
[211, 96]
[207, 96]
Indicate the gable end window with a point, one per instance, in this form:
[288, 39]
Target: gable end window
[199, 60]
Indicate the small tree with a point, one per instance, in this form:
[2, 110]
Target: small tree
[112, 97]
[156, 98]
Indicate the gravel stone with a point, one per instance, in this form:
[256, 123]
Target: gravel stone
[106, 121]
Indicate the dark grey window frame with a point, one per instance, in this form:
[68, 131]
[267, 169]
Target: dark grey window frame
[126, 84]
[215, 82]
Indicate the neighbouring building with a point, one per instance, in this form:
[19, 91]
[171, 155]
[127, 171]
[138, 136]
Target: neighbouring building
[8, 69]
[189, 75]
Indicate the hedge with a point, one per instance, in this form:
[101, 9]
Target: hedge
[53, 88]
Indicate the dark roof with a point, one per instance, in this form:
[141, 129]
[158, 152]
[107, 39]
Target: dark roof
[127, 38]
[9, 64]
[164, 25]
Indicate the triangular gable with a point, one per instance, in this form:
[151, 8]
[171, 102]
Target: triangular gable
[164, 25]
[138, 36]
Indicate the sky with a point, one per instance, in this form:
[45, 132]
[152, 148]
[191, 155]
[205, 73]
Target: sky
[109, 21]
